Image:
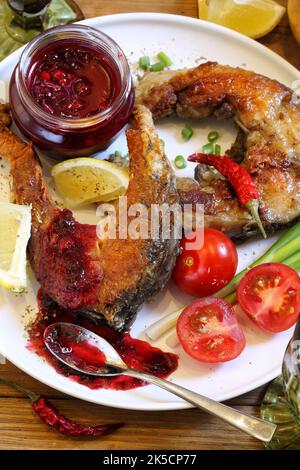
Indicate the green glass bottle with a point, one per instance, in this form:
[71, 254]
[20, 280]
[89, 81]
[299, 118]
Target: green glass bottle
[281, 403]
[21, 20]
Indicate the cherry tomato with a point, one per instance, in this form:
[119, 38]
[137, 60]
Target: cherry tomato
[209, 332]
[205, 271]
[270, 295]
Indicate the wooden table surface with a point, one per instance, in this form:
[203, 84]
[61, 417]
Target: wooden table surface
[189, 429]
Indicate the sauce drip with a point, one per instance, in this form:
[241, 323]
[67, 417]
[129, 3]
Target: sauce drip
[135, 353]
[68, 266]
[72, 80]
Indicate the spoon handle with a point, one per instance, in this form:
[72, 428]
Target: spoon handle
[256, 427]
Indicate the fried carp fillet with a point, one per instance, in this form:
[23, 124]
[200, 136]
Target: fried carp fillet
[268, 142]
[100, 278]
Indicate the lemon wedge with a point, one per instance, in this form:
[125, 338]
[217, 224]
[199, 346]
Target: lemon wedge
[15, 226]
[294, 18]
[255, 18]
[83, 181]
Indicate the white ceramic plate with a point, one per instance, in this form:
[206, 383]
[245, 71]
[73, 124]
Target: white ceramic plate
[186, 41]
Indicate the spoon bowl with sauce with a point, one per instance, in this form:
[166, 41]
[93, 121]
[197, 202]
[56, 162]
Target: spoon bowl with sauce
[88, 353]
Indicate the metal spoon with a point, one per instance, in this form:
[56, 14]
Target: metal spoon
[113, 365]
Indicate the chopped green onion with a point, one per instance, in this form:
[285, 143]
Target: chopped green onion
[157, 67]
[213, 136]
[187, 132]
[162, 143]
[180, 162]
[144, 62]
[162, 57]
[118, 153]
[208, 148]
[217, 150]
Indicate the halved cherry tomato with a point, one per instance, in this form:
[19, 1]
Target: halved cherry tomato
[270, 295]
[209, 332]
[205, 271]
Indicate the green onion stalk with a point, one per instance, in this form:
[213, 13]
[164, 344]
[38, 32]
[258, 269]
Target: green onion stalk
[285, 250]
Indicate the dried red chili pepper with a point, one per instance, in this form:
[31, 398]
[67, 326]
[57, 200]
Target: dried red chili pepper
[240, 179]
[51, 416]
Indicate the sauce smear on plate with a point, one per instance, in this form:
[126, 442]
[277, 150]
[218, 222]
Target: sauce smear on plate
[135, 353]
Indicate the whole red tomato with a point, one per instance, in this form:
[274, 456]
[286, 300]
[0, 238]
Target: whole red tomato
[205, 271]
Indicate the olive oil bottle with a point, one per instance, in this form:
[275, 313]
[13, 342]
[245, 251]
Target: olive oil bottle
[21, 20]
[281, 404]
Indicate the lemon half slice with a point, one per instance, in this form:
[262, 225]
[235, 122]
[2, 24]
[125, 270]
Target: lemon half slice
[15, 227]
[294, 18]
[255, 18]
[83, 181]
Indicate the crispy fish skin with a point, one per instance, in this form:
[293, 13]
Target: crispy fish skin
[268, 143]
[139, 268]
[125, 272]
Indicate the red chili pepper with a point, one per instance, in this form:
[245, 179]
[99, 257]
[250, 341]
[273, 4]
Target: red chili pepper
[51, 416]
[240, 179]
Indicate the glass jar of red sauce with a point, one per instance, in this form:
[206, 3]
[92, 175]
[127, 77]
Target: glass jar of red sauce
[72, 91]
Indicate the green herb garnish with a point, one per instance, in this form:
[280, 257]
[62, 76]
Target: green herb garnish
[180, 162]
[144, 62]
[162, 57]
[187, 133]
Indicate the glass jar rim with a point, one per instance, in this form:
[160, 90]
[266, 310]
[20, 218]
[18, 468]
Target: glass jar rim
[90, 35]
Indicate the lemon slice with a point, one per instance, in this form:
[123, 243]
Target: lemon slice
[255, 18]
[15, 226]
[294, 18]
[83, 181]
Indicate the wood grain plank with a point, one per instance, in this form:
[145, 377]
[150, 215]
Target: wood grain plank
[188, 429]
[178, 7]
